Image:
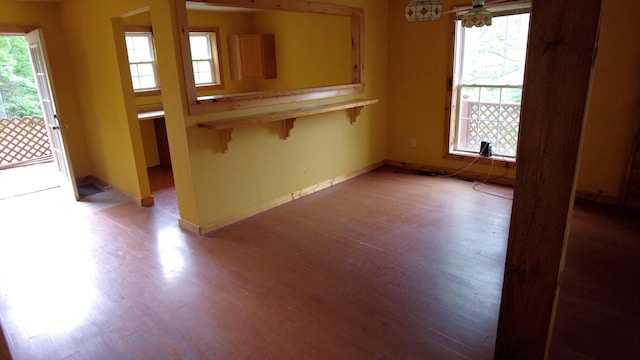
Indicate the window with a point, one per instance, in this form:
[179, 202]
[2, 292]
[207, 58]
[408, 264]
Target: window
[204, 58]
[142, 62]
[487, 88]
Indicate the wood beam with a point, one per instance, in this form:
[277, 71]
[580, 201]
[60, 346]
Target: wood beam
[9, 29]
[289, 5]
[560, 57]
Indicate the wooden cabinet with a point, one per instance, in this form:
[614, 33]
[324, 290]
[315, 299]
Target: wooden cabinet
[252, 56]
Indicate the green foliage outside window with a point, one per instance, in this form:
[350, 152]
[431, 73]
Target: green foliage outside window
[18, 93]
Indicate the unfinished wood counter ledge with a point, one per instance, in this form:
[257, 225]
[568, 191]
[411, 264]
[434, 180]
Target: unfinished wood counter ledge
[288, 117]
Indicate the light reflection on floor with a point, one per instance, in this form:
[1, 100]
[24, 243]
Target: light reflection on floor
[172, 256]
[46, 278]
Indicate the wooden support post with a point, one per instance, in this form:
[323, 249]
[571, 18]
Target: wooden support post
[4, 346]
[560, 58]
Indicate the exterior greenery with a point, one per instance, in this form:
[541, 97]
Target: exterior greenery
[18, 93]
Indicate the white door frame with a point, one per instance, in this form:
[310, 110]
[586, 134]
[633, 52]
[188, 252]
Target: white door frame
[55, 125]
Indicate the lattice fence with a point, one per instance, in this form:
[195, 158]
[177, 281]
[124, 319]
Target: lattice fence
[493, 122]
[23, 141]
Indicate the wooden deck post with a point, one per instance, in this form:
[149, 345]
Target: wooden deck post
[560, 56]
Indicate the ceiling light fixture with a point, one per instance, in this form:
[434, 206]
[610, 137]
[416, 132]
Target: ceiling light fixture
[478, 16]
[422, 10]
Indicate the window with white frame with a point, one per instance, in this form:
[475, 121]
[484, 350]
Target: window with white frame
[142, 61]
[487, 85]
[204, 58]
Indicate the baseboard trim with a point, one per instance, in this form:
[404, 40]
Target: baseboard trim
[189, 226]
[294, 195]
[581, 195]
[465, 174]
[144, 202]
[590, 196]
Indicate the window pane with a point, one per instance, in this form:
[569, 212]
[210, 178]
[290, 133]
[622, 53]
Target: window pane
[134, 70]
[129, 40]
[489, 114]
[141, 77]
[136, 83]
[204, 56]
[147, 82]
[139, 48]
[495, 54]
[145, 69]
[202, 72]
[467, 139]
[141, 60]
[200, 47]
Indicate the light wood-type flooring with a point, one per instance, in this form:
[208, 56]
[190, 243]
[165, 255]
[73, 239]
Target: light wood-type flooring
[384, 266]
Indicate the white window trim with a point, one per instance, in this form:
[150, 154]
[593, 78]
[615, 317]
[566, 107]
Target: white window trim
[216, 67]
[151, 90]
[510, 8]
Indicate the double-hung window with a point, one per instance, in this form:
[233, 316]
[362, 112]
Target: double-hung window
[205, 58]
[142, 61]
[487, 85]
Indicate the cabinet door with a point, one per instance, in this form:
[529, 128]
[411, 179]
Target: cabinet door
[252, 57]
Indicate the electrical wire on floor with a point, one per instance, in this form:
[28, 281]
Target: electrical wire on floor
[476, 186]
[462, 168]
[482, 151]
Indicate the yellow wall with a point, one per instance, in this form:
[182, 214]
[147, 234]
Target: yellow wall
[317, 53]
[612, 116]
[260, 166]
[108, 111]
[418, 68]
[419, 59]
[149, 143]
[47, 17]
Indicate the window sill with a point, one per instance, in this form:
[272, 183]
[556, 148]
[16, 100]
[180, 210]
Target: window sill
[469, 156]
[210, 87]
[151, 92]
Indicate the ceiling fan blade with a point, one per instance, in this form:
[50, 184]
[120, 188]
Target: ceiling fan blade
[487, 5]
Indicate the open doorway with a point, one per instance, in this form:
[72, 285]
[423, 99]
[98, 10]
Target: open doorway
[158, 160]
[137, 36]
[32, 152]
[26, 160]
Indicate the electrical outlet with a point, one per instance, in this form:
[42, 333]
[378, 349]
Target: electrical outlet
[98, 120]
[413, 142]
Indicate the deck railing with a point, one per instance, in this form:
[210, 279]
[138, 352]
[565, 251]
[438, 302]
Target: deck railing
[497, 123]
[23, 141]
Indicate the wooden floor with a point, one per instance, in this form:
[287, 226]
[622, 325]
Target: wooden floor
[385, 266]
[163, 189]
